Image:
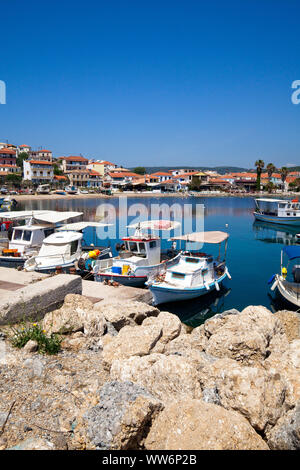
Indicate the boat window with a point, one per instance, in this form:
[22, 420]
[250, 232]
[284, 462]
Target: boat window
[142, 248]
[152, 244]
[133, 246]
[288, 213]
[27, 235]
[74, 245]
[18, 234]
[178, 275]
[282, 206]
[192, 260]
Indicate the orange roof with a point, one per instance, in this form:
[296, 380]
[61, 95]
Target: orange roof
[161, 173]
[24, 145]
[60, 177]
[75, 159]
[94, 173]
[291, 179]
[8, 166]
[8, 151]
[48, 151]
[122, 174]
[40, 162]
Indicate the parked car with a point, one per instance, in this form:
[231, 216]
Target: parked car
[3, 190]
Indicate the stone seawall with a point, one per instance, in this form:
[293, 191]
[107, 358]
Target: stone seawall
[131, 377]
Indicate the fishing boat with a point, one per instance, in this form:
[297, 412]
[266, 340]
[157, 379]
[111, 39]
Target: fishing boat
[287, 282]
[139, 256]
[63, 250]
[43, 189]
[25, 240]
[71, 190]
[194, 273]
[278, 211]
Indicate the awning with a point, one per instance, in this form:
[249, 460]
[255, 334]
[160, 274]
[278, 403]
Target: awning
[52, 217]
[292, 252]
[78, 226]
[203, 237]
[156, 225]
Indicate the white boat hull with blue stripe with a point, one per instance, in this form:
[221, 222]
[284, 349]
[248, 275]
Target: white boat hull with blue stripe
[278, 211]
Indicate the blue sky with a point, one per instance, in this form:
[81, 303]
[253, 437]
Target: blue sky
[153, 83]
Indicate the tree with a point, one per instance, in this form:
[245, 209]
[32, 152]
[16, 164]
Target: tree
[14, 179]
[140, 170]
[57, 170]
[270, 169]
[295, 185]
[259, 168]
[21, 157]
[270, 187]
[283, 173]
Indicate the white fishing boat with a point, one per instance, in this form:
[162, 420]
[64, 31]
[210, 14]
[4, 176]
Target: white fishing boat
[278, 211]
[43, 189]
[71, 190]
[288, 281]
[63, 250]
[140, 255]
[194, 274]
[26, 240]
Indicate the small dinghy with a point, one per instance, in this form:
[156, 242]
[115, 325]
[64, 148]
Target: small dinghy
[288, 282]
[194, 274]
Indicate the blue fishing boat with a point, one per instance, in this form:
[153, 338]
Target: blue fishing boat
[194, 274]
[278, 211]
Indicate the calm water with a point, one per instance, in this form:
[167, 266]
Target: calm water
[253, 254]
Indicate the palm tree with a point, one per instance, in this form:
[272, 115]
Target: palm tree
[270, 170]
[283, 173]
[259, 167]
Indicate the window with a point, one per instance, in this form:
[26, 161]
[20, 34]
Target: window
[142, 248]
[74, 245]
[27, 235]
[178, 275]
[133, 246]
[152, 244]
[192, 260]
[18, 234]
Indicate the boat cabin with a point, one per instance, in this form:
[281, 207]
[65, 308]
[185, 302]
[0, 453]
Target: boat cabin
[29, 236]
[192, 270]
[278, 207]
[144, 250]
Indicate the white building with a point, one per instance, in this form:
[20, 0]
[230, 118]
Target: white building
[38, 171]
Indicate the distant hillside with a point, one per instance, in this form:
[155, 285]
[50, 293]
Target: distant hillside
[219, 169]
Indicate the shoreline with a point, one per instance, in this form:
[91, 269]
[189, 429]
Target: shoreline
[41, 197]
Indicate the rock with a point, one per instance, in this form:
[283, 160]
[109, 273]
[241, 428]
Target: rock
[121, 419]
[33, 444]
[286, 434]
[184, 345]
[290, 322]
[131, 341]
[248, 337]
[120, 314]
[257, 394]
[74, 344]
[70, 317]
[166, 377]
[195, 425]
[31, 346]
[171, 328]
[35, 367]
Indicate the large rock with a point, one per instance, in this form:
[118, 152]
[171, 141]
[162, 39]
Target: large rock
[166, 377]
[131, 341]
[286, 434]
[290, 322]
[121, 418]
[195, 425]
[120, 314]
[248, 337]
[171, 328]
[257, 394]
[184, 345]
[76, 314]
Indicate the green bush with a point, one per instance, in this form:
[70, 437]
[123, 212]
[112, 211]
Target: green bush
[25, 332]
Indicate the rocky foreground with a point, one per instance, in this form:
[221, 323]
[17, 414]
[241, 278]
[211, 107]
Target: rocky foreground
[131, 377]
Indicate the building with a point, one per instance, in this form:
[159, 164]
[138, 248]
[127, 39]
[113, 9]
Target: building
[38, 171]
[102, 166]
[160, 176]
[40, 155]
[73, 163]
[23, 148]
[8, 157]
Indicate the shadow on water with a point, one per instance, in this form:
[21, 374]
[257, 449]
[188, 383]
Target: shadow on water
[194, 312]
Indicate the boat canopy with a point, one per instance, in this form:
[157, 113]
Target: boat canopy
[78, 226]
[292, 252]
[203, 237]
[156, 225]
[45, 216]
[61, 238]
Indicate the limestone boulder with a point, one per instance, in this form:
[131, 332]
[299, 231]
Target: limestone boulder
[120, 314]
[184, 345]
[286, 434]
[171, 328]
[166, 377]
[290, 322]
[257, 394]
[248, 337]
[121, 418]
[196, 425]
[131, 341]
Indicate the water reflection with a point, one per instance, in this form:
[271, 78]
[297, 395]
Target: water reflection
[273, 233]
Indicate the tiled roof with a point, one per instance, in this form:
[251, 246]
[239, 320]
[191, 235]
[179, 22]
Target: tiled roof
[75, 159]
[8, 151]
[40, 162]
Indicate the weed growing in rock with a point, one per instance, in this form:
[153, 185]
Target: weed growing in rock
[25, 332]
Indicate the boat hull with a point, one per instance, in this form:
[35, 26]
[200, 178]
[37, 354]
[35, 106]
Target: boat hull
[277, 220]
[11, 262]
[161, 294]
[288, 295]
[132, 281]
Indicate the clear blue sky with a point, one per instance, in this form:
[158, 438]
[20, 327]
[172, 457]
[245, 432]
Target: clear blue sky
[153, 83]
